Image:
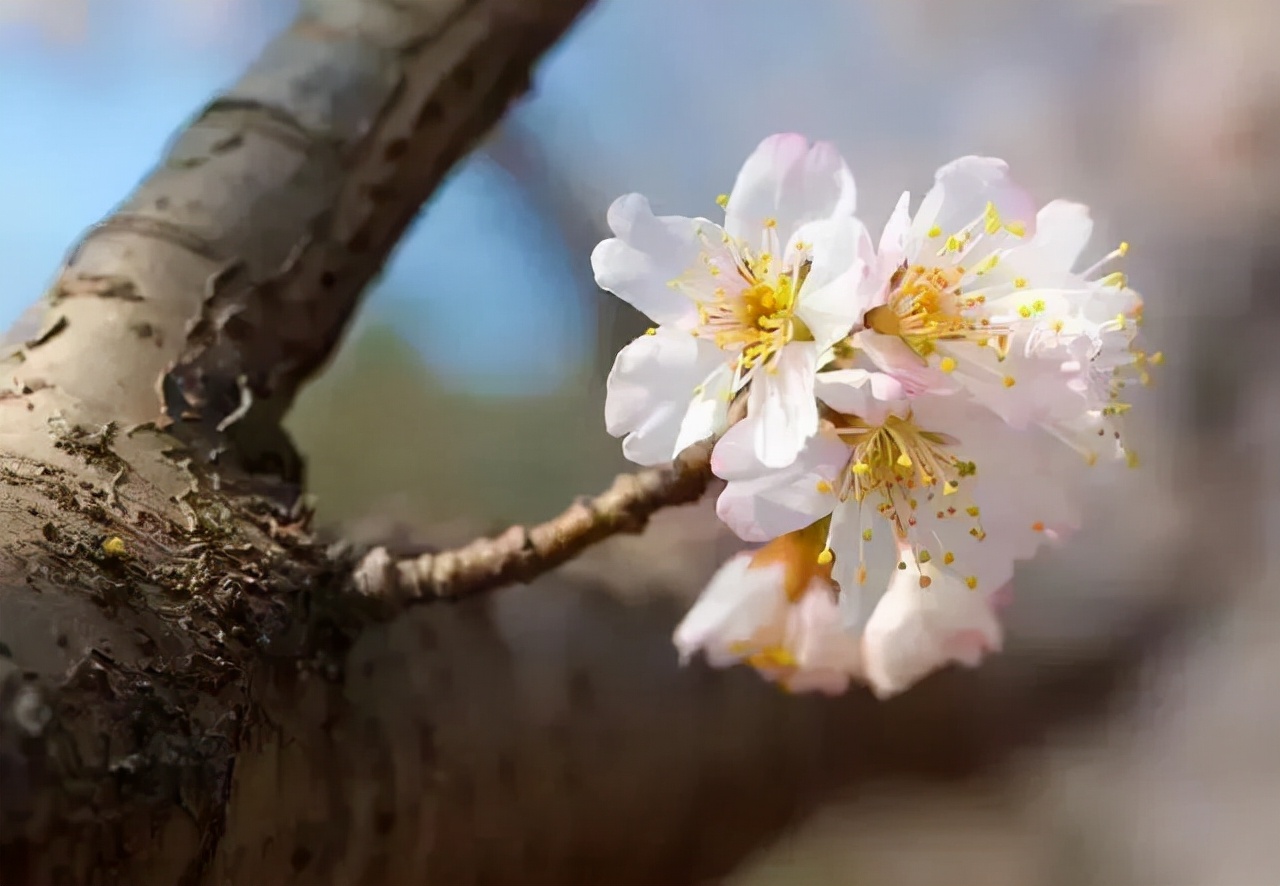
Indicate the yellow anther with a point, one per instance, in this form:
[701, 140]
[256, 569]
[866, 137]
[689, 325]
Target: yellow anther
[1123, 249]
[1008, 381]
[1016, 228]
[861, 468]
[954, 244]
[1131, 458]
[1020, 282]
[651, 331]
[866, 534]
[1038, 305]
[1117, 279]
[972, 510]
[925, 557]
[935, 231]
[824, 487]
[770, 222]
[1024, 311]
[862, 573]
[950, 487]
[948, 364]
[1157, 358]
[825, 556]
[987, 263]
[1059, 325]
[722, 200]
[948, 558]
[114, 546]
[972, 582]
[904, 460]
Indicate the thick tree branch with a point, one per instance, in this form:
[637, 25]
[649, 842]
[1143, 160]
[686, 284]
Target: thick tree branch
[234, 267]
[523, 553]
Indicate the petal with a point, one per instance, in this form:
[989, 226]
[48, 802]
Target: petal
[1063, 229]
[830, 302]
[764, 507]
[827, 656]
[790, 182]
[893, 240]
[666, 391]
[872, 396]
[740, 605]
[648, 252]
[914, 631]
[960, 194]
[781, 410]
[892, 355]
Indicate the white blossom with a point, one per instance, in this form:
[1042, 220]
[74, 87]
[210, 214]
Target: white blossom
[775, 610]
[755, 304]
[914, 484]
[976, 292]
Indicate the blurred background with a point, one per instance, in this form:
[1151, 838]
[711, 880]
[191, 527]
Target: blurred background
[487, 344]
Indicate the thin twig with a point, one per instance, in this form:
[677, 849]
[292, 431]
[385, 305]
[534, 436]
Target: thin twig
[522, 553]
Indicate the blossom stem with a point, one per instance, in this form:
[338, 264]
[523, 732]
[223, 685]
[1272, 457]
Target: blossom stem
[522, 553]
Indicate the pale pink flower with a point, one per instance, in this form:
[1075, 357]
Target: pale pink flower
[754, 304]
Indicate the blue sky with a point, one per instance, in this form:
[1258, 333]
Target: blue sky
[80, 124]
[661, 96]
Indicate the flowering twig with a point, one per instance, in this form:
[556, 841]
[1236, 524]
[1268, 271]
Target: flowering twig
[524, 552]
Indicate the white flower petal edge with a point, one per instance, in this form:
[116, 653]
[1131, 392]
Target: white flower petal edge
[666, 391]
[775, 610]
[919, 627]
[785, 183]
[770, 293]
[647, 252]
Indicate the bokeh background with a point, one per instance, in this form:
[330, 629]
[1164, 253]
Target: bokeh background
[477, 366]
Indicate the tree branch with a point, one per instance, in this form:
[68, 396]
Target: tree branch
[523, 553]
[228, 276]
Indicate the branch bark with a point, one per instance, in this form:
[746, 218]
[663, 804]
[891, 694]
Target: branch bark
[523, 553]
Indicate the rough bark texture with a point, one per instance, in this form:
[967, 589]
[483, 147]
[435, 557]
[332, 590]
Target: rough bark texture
[190, 690]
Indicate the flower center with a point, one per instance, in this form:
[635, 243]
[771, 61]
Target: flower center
[904, 464]
[926, 306]
[748, 304]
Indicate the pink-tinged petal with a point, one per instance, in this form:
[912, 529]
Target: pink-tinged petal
[960, 194]
[1062, 232]
[741, 607]
[789, 182]
[873, 396]
[665, 392]
[781, 410]
[766, 506]
[892, 355]
[916, 630]
[832, 301]
[893, 240]
[827, 656]
[648, 252]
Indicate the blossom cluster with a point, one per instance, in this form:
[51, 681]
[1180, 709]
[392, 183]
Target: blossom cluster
[914, 409]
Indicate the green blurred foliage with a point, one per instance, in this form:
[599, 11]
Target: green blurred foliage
[378, 431]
